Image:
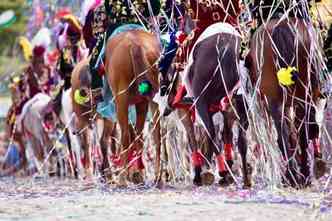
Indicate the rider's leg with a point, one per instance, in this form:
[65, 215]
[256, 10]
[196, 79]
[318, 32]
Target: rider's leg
[165, 63]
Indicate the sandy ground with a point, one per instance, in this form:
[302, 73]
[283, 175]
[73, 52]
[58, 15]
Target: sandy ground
[55, 200]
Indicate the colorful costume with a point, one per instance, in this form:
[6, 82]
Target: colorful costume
[106, 18]
[38, 74]
[261, 10]
[72, 50]
[204, 13]
[175, 12]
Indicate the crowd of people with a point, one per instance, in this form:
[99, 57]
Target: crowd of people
[49, 71]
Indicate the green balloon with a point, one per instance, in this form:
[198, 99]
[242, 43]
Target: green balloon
[144, 88]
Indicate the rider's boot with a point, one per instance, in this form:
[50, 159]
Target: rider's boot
[97, 71]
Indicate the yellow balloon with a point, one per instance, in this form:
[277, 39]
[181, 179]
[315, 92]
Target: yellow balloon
[285, 76]
[26, 47]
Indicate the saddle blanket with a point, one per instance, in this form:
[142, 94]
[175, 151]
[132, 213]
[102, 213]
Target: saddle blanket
[214, 29]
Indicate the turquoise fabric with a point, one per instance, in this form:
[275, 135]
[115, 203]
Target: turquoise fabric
[107, 108]
[125, 28]
[120, 29]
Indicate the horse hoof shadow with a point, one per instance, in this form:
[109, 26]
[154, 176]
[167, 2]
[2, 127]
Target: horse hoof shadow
[207, 178]
[197, 181]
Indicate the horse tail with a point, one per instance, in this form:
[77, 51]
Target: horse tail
[141, 68]
[285, 49]
[284, 41]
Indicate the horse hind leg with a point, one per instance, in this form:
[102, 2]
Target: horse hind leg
[227, 136]
[309, 131]
[106, 134]
[206, 178]
[88, 166]
[136, 174]
[242, 140]
[122, 115]
[283, 143]
[320, 166]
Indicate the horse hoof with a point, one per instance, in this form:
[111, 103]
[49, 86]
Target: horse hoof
[226, 180]
[137, 178]
[167, 177]
[197, 181]
[52, 174]
[320, 168]
[247, 184]
[207, 178]
[122, 183]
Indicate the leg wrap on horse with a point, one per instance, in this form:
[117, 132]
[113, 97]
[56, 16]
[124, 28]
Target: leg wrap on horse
[228, 151]
[136, 160]
[221, 163]
[197, 159]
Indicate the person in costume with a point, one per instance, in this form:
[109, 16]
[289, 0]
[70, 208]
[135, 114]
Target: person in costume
[72, 50]
[174, 10]
[265, 9]
[204, 14]
[37, 76]
[102, 22]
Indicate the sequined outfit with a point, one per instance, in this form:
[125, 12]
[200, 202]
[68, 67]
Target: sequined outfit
[263, 9]
[111, 15]
[206, 13]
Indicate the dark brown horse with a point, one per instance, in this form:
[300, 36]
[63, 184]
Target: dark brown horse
[281, 44]
[130, 60]
[213, 75]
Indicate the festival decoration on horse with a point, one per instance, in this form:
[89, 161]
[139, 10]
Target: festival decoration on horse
[287, 76]
[81, 99]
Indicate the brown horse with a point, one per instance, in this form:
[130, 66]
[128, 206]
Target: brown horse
[282, 44]
[85, 117]
[130, 60]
